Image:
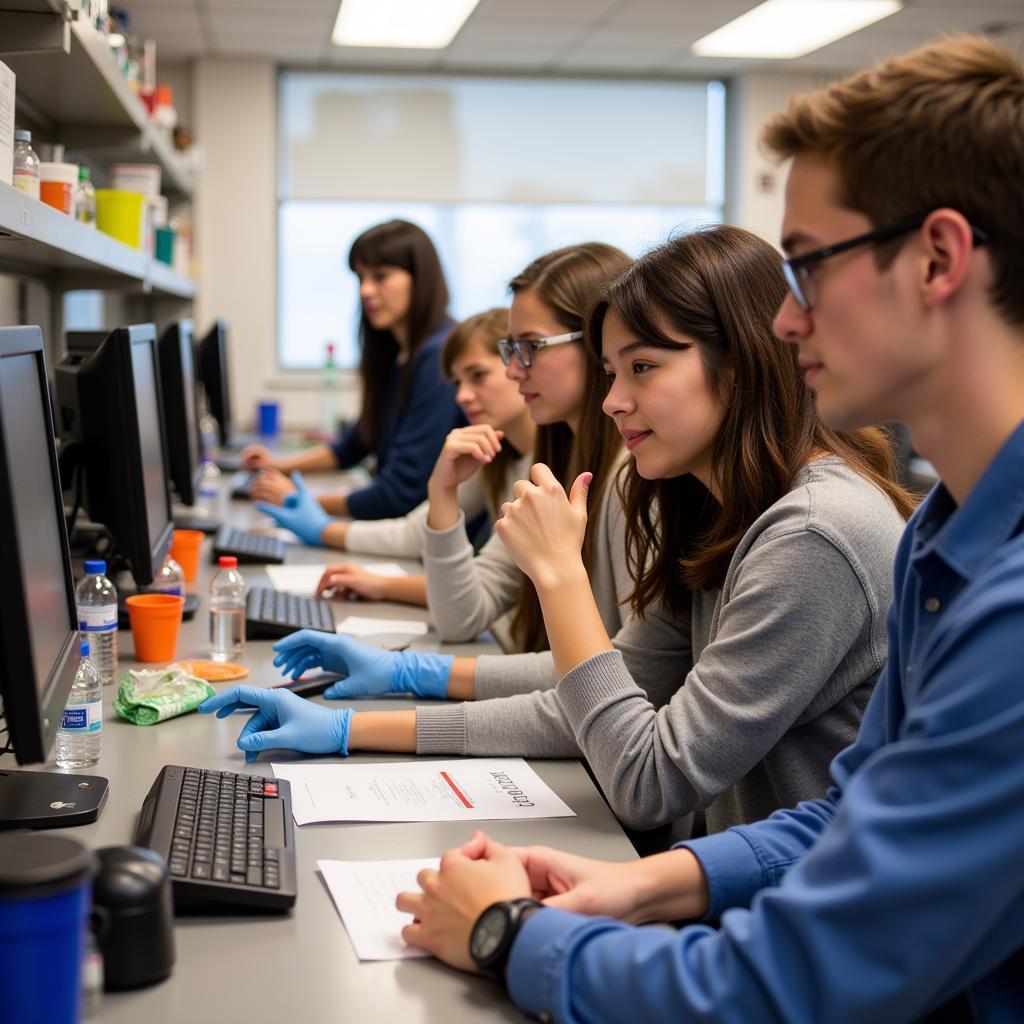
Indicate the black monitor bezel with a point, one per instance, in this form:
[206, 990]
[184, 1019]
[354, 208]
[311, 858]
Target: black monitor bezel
[212, 366]
[116, 426]
[184, 467]
[32, 715]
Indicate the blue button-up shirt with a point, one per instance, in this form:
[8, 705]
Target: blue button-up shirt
[904, 886]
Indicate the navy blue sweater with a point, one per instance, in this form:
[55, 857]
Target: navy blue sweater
[410, 439]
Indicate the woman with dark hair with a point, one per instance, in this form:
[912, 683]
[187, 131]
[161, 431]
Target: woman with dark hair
[408, 405]
[498, 418]
[761, 547]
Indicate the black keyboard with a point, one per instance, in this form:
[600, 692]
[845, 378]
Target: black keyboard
[258, 548]
[227, 838]
[273, 613]
[241, 485]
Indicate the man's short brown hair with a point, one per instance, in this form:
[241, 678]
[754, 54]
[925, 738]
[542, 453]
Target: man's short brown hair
[941, 126]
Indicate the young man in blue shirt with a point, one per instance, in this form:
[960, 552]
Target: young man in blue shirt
[899, 896]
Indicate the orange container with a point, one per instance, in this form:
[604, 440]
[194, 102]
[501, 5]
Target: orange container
[57, 185]
[185, 551]
[155, 620]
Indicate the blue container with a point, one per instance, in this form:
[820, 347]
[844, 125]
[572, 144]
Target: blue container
[45, 901]
[266, 418]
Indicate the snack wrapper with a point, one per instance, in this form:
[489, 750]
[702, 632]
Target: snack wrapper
[149, 696]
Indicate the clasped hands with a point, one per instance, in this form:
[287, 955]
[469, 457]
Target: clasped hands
[483, 872]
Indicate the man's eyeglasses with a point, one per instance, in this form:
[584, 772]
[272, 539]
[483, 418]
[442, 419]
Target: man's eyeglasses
[797, 270]
[523, 348]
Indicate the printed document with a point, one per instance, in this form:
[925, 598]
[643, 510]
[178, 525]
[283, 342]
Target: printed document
[302, 579]
[358, 625]
[364, 892]
[469, 789]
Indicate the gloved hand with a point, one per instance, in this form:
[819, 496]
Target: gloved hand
[283, 721]
[300, 512]
[371, 671]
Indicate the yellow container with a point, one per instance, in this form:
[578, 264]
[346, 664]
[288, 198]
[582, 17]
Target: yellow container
[122, 215]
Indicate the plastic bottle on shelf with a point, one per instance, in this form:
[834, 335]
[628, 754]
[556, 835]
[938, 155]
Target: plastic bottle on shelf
[85, 199]
[329, 400]
[169, 580]
[227, 611]
[26, 164]
[96, 598]
[80, 735]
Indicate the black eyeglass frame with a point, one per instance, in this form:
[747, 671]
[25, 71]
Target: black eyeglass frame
[523, 348]
[792, 267]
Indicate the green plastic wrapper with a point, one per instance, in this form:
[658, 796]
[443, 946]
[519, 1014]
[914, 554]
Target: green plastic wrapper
[148, 697]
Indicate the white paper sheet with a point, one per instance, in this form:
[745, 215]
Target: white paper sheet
[6, 124]
[469, 789]
[364, 892]
[302, 579]
[357, 625]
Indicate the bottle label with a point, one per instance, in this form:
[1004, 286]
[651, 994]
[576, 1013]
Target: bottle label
[98, 619]
[83, 717]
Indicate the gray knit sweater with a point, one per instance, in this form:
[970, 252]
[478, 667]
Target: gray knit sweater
[739, 706]
[467, 595]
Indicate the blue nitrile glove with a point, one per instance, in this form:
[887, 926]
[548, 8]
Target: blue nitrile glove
[283, 721]
[370, 670]
[301, 513]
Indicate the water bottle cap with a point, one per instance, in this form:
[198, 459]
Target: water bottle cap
[228, 562]
[95, 567]
[83, 648]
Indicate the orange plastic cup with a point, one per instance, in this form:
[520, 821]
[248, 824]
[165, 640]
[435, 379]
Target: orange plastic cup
[155, 620]
[185, 551]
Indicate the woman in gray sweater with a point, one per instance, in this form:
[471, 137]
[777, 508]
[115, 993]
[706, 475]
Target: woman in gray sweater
[761, 545]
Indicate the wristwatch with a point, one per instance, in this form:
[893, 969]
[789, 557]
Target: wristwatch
[495, 930]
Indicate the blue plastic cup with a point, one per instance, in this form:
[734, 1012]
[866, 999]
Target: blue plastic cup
[45, 901]
[266, 418]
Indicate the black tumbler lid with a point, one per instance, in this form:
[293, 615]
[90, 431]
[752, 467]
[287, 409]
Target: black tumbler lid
[130, 878]
[34, 865]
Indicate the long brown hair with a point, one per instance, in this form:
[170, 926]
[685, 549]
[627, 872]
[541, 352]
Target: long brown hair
[721, 287]
[566, 281]
[484, 329]
[396, 243]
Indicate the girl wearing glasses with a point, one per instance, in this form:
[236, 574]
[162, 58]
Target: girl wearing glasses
[408, 405]
[498, 419]
[761, 547]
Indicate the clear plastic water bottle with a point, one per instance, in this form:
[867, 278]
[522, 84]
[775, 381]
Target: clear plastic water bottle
[207, 498]
[329, 398]
[169, 580]
[26, 164]
[96, 598]
[227, 611]
[80, 736]
[209, 436]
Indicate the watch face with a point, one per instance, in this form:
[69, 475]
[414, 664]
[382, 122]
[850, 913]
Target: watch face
[488, 933]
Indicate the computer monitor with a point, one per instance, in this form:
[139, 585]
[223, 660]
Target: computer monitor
[108, 389]
[178, 385]
[38, 621]
[212, 363]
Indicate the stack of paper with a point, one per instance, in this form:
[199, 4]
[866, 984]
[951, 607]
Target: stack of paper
[469, 789]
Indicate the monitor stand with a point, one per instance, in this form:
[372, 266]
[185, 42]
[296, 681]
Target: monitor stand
[49, 799]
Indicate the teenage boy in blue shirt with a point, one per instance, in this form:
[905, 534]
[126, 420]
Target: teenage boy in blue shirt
[900, 895]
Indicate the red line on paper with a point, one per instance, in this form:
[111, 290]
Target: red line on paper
[455, 789]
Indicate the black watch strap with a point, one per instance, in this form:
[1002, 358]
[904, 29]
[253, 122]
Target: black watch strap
[516, 913]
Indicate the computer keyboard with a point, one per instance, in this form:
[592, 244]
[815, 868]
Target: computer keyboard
[228, 839]
[258, 548]
[241, 485]
[273, 613]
